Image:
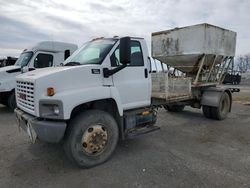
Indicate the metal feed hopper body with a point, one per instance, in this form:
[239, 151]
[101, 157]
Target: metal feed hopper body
[202, 51]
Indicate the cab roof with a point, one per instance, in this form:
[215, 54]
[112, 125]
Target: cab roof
[53, 46]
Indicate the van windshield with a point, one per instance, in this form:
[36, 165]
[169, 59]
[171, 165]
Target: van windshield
[92, 52]
[24, 59]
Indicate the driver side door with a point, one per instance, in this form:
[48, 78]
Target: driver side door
[132, 82]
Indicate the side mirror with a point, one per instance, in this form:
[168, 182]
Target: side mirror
[24, 69]
[66, 54]
[125, 50]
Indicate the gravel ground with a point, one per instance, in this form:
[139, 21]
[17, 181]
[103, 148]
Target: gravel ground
[188, 151]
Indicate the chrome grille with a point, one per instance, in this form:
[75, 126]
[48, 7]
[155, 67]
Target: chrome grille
[25, 95]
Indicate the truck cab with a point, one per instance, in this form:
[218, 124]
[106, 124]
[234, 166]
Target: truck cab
[106, 79]
[43, 54]
[85, 70]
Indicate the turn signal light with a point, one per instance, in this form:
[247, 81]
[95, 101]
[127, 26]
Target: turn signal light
[145, 113]
[51, 91]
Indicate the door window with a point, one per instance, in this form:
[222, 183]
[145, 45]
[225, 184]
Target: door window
[43, 60]
[136, 55]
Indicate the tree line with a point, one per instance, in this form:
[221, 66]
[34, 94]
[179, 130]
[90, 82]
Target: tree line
[242, 63]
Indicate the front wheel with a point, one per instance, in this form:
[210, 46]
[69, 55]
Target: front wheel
[91, 139]
[12, 101]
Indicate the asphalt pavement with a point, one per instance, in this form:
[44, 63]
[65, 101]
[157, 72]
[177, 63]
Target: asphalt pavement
[188, 151]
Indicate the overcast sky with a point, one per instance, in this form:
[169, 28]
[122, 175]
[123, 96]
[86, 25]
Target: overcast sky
[24, 22]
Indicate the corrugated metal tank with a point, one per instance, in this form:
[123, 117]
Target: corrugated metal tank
[183, 47]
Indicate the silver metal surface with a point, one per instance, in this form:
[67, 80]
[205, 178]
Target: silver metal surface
[170, 88]
[182, 48]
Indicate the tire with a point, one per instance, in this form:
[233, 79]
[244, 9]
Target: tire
[91, 138]
[12, 101]
[4, 100]
[5, 103]
[174, 108]
[207, 111]
[223, 109]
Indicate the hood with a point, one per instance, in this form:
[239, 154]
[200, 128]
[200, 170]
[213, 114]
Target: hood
[39, 73]
[63, 78]
[7, 77]
[63, 73]
[9, 71]
[10, 68]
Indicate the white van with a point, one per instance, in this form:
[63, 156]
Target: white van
[43, 54]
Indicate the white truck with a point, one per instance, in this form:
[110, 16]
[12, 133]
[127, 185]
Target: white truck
[106, 90]
[43, 54]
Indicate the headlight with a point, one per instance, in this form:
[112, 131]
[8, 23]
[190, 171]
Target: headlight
[52, 109]
[56, 110]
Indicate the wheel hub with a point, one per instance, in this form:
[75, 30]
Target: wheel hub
[94, 139]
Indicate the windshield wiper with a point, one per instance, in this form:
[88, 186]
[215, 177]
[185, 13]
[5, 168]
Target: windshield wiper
[72, 63]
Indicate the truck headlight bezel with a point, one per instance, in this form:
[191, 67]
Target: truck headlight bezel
[51, 109]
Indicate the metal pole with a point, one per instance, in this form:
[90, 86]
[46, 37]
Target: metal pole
[155, 65]
[233, 66]
[221, 74]
[211, 68]
[217, 73]
[199, 71]
[162, 67]
[174, 72]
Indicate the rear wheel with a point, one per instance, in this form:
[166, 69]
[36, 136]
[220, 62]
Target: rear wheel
[12, 101]
[91, 139]
[223, 109]
[219, 112]
[174, 108]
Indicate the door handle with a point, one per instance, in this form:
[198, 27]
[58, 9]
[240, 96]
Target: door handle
[146, 73]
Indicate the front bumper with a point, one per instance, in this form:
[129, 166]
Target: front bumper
[45, 130]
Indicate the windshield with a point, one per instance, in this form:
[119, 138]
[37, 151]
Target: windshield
[92, 52]
[24, 59]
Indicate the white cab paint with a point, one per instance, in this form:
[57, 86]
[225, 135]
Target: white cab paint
[56, 49]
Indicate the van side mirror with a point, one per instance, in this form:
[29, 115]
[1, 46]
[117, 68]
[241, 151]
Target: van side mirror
[125, 50]
[66, 54]
[24, 69]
